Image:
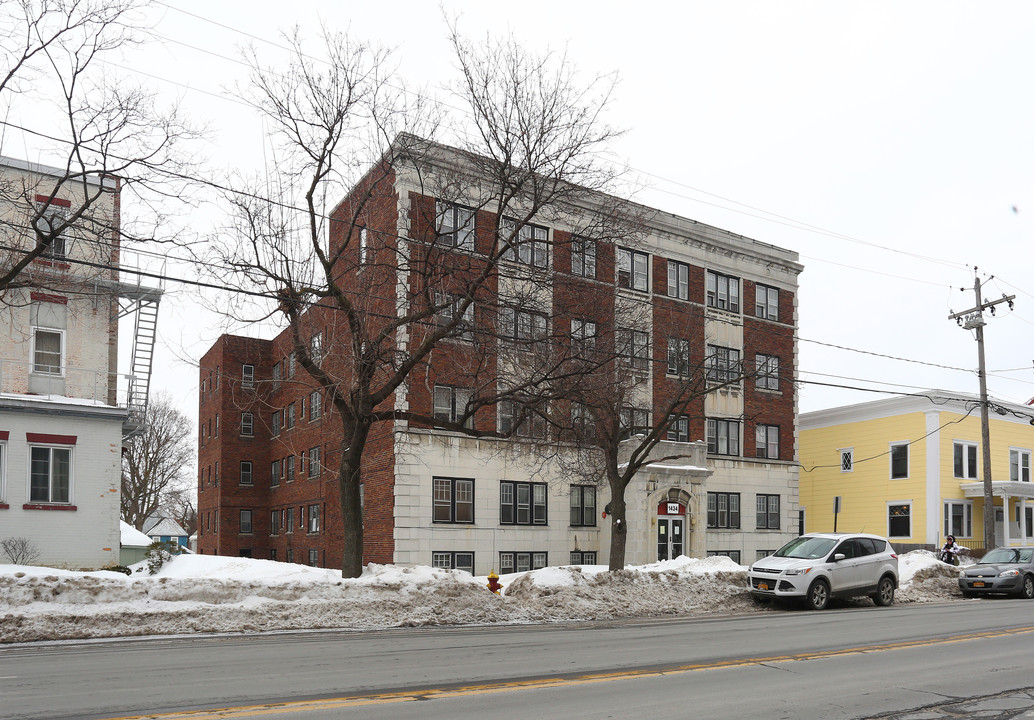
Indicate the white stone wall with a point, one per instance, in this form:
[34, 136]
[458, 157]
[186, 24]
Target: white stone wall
[87, 537]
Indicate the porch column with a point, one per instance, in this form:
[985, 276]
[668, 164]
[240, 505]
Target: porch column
[1024, 530]
[1005, 520]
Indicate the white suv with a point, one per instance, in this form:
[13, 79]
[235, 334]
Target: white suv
[819, 566]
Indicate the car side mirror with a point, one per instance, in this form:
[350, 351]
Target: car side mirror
[838, 557]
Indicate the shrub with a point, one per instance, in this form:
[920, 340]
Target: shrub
[20, 550]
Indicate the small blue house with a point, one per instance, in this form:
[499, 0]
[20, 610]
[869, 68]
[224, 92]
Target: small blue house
[167, 530]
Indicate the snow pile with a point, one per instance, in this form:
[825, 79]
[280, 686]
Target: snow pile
[204, 593]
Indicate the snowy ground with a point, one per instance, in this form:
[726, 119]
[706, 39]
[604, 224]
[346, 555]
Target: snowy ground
[198, 593]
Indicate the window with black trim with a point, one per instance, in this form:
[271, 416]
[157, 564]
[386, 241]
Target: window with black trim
[633, 269]
[583, 337]
[582, 421]
[583, 506]
[767, 377]
[723, 437]
[583, 557]
[583, 257]
[634, 348]
[678, 280]
[529, 247]
[899, 520]
[511, 562]
[453, 560]
[766, 443]
[522, 324]
[722, 364]
[634, 421]
[766, 303]
[455, 225]
[723, 291]
[678, 357]
[449, 310]
[450, 404]
[247, 476]
[453, 500]
[767, 512]
[733, 555]
[723, 510]
[522, 503]
[678, 428]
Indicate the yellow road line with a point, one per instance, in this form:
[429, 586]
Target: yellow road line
[249, 711]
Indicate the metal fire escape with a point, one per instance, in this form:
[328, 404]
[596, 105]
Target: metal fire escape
[145, 336]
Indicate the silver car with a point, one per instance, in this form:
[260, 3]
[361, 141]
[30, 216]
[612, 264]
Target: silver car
[1002, 570]
[819, 566]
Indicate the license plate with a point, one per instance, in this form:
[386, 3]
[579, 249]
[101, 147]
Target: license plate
[763, 586]
[978, 584]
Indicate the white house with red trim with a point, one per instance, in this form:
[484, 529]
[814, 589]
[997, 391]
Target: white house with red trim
[64, 409]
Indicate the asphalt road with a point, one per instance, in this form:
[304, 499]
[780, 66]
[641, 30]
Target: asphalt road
[847, 662]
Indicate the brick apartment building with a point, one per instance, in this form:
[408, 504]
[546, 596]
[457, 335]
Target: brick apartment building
[267, 444]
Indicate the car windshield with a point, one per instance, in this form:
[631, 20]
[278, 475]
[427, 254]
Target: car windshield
[807, 548]
[1007, 555]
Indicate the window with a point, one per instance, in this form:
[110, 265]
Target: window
[767, 302]
[274, 522]
[723, 292]
[453, 561]
[678, 357]
[633, 269]
[847, 460]
[965, 460]
[583, 336]
[583, 557]
[247, 376]
[958, 518]
[767, 441]
[899, 461]
[245, 522]
[450, 404]
[314, 558]
[899, 520]
[455, 225]
[246, 472]
[48, 351]
[723, 510]
[522, 503]
[510, 562]
[678, 428]
[678, 280]
[634, 421]
[316, 348]
[583, 257]
[50, 474]
[247, 424]
[289, 416]
[453, 500]
[314, 462]
[274, 423]
[274, 473]
[722, 364]
[532, 424]
[723, 437]
[289, 468]
[3, 485]
[520, 324]
[272, 554]
[50, 221]
[290, 555]
[767, 512]
[529, 246]
[314, 519]
[1019, 465]
[583, 506]
[315, 405]
[582, 421]
[767, 377]
[449, 309]
[277, 372]
[364, 245]
[217, 424]
[289, 520]
[292, 365]
[634, 347]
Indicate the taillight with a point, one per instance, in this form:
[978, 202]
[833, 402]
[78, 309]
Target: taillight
[894, 555]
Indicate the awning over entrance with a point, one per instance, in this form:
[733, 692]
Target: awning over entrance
[1000, 488]
[1007, 490]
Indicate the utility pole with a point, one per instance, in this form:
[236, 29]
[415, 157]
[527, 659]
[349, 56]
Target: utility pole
[973, 319]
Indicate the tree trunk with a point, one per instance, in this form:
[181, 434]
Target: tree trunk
[618, 529]
[350, 496]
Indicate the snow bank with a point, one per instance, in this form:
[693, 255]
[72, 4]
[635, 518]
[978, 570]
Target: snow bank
[205, 593]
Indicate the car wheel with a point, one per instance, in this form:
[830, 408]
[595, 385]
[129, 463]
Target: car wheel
[968, 594]
[1028, 587]
[818, 595]
[761, 599]
[884, 592]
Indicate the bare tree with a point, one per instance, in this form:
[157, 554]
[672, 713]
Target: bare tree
[180, 505]
[370, 309]
[100, 128]
[156, 465]
[20, 550]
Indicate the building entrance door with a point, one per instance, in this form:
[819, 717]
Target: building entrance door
[670, 539]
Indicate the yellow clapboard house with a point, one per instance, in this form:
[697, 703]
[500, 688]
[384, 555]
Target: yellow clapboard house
[911, 468]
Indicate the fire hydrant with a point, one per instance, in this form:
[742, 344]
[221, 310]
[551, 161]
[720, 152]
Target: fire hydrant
[493, 582]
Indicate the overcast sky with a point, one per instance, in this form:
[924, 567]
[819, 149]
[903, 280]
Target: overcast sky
[888, 143]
